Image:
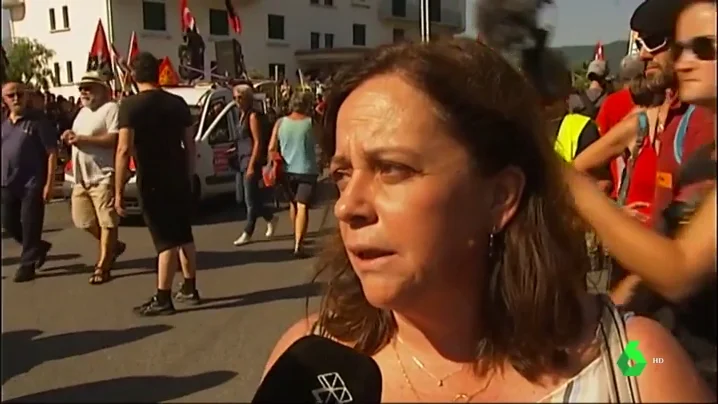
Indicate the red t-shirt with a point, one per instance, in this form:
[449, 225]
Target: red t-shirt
[642, 187]
[614, 108]
[700, 132]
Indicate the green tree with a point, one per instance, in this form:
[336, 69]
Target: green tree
[28, 62]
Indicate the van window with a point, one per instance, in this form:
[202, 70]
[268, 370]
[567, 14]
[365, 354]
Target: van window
[221, 132]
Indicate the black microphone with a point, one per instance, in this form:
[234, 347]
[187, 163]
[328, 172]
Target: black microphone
[319, 370]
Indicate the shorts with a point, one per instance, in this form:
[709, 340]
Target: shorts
[301, 187]
[94, 205]
[167, 214]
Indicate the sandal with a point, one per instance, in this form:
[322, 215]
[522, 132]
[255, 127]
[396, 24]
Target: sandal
[100, 276]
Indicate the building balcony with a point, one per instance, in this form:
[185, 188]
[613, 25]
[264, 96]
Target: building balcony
[449, 14]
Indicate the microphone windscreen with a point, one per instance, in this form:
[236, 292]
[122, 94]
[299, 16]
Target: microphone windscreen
[319, 370]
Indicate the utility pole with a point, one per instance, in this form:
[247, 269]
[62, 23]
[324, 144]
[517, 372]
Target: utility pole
[424, 20]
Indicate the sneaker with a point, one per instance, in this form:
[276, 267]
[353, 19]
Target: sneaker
[154, 308]
[271, 226]
[44, 250]
[243, 239]
[188, 297]
[24, 274]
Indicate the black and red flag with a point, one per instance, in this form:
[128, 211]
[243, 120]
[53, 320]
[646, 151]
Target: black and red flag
[233, 17]
[100, 58]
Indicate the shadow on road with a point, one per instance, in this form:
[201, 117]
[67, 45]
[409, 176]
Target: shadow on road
[305, 290]
[215, 259]
[22, 350]
[51, 257]
[137, 389]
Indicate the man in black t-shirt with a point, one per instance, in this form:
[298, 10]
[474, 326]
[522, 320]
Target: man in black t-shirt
[157, 126]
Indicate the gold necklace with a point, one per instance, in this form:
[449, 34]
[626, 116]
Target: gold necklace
[439, 380]
[458, 398]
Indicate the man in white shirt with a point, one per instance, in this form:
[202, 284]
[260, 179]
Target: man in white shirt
[93, 138]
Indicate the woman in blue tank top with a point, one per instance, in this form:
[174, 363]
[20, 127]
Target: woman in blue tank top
[293, 137]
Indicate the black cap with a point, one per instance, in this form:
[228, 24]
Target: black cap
[656, 18]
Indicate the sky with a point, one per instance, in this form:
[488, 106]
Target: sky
[578, 22]
[581, 22]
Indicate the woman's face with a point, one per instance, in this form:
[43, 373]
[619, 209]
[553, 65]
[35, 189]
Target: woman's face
[697, 81]
[413, 212]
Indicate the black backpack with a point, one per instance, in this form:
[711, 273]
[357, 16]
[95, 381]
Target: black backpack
[590, 108]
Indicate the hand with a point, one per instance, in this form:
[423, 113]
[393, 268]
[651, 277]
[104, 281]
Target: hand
[250, 173]
[633, 210]
[120, 206]
[47, 193]
[67, 135]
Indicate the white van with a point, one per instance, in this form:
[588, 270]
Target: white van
[216, 115]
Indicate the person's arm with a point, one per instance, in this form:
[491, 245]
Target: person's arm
[125, 144]
[609, 146]
[48, 137]
[672, 267]
[274, 141]
[105, 138]
[256, 130]
[588, 136]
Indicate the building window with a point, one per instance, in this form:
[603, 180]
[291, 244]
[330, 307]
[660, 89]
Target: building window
[276, 71]
[56, 74]
[65, 17]
[53, 22]
[435, 10]
[329, 3]
[328, 41]
[275, 26]
[399, 35]
[153, 16]
[359, 35]
[218, 22]
[398, 8]
[314, 40]
[70, 77]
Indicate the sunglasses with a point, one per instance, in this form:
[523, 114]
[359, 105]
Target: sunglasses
[85, 88]
[703, 47]
[651, 44]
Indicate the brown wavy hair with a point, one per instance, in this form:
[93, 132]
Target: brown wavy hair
[531, 311]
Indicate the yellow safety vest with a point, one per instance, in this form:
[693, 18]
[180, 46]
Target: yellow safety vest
[568, 133]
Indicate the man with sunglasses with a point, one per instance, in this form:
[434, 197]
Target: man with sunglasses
[93, 138]
[654, 21]
[29, 160]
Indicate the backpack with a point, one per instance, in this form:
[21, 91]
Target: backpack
[590, 108]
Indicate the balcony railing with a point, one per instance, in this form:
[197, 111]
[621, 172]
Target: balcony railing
[451, 15]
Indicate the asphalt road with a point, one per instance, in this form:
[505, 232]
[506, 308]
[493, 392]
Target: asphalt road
[64, 340]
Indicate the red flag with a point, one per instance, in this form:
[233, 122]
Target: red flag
[233, 18]
[168, 75]
[134, 49]
[99, 58]
[187, 21]
[598, 53]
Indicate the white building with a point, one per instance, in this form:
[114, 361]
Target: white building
[277, 34]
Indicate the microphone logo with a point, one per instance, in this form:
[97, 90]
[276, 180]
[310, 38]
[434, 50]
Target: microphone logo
[333, 390]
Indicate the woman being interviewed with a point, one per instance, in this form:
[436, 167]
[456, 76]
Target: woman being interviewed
[456, 266]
